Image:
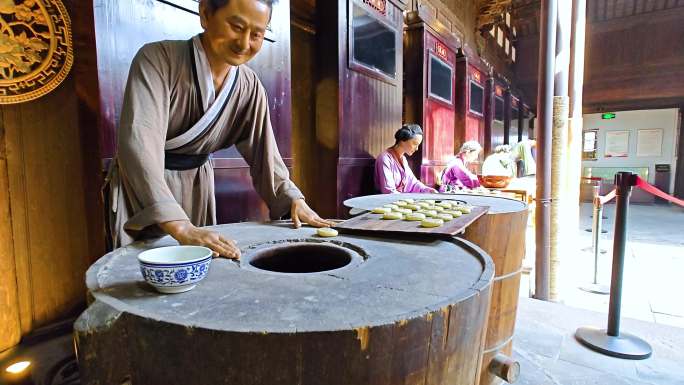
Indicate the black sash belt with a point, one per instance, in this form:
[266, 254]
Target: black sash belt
[184, 161]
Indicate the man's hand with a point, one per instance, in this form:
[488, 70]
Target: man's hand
[301, 212]
[187, 234]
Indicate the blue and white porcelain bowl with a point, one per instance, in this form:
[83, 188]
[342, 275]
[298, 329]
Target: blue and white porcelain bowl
[175, 269]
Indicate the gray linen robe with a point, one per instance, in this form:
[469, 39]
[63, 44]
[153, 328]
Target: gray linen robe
[161, 101]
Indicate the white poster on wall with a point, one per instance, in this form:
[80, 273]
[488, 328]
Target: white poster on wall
[650, 142]
[617, 144]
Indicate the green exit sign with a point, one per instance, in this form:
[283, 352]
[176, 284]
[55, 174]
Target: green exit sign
[608, 115]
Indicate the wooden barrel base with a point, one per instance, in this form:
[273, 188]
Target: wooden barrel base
[500, 233]
[400, 312]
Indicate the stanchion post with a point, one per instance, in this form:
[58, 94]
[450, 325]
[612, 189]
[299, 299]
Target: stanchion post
[596, 230]
[596, 226]
[623, 185]
[610, 341]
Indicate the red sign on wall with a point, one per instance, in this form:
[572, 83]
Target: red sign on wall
[499, 91]
[441, 50]
[378, 5]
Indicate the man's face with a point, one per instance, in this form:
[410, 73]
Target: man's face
[235, 32]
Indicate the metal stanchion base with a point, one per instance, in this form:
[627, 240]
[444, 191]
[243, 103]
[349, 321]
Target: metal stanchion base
[589, 248]
[596, 288]
[623, 346]
[590, 230]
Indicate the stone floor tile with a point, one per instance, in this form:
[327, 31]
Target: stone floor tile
[538, 336]
[573, 352]
[532, 368]
[661, 372]
[666, 319]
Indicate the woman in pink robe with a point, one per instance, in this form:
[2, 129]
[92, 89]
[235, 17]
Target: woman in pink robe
[457, 174]
[392, 172]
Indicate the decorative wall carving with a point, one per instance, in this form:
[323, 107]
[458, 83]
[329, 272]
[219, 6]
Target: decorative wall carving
[36, 51]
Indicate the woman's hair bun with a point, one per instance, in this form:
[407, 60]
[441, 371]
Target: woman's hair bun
[407, 132]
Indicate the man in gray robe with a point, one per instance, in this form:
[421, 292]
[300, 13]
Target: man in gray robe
[185, 100]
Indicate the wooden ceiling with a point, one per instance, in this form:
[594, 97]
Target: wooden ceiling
[490, 12]
[525, 13]
[525, 16]
[601, 10]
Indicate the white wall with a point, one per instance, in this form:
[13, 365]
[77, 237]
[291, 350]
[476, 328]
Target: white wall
[633, 121]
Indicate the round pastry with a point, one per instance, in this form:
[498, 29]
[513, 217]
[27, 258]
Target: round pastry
[403, 210]
[454, 213]
[413, 207]
[415, 217]
[431, 222]
[445, 217]
[401, 203]
[326, 232]
[391, 206]
[392, 215]
[381, 210]
[428, 213]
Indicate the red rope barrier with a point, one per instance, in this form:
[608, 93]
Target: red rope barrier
[607, 198]
[642, 184]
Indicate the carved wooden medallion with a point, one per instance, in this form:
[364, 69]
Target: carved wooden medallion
[36, 51]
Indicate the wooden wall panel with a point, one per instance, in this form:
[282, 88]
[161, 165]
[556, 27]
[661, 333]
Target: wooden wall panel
[469, 125]
[303, 111]
[514, 134]
[439, 117]
[414, 86]
[356, 114]
[49, 195]
[488, 116]
[636, 59]
[632, 62]
[527, 67]
[10, 329]
[50, 218]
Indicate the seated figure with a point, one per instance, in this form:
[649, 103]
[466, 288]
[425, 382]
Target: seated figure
[500, 163]
[457, 174]
[392, 172]
[522, 153]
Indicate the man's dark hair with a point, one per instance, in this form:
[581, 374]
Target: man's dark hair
[217, 4]
[407, 132]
